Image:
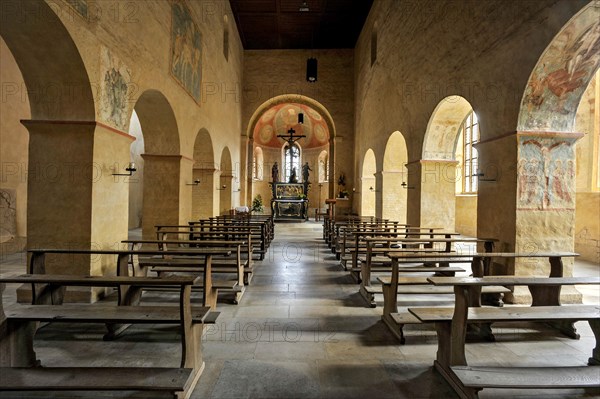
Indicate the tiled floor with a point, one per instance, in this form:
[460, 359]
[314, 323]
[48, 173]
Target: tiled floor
[302, 331]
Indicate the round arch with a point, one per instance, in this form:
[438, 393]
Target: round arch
[394, 204]
[162, 161]
[562, 74]
[56, 73]
[442, 130]
[59, 100]
[158, 122]
[317, 106]
[440, 203]
[368, 187]
[286, 98]
[204, 171]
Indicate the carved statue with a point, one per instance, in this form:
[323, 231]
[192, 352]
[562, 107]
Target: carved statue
[305, 172]
[275, 173]
[293, 177]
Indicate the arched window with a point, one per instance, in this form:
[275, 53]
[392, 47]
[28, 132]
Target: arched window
[469, 130]
[257, 164]
[291, 159]
[323, 167]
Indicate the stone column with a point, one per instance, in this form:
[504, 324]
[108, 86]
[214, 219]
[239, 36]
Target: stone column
[333, 169]
[247, 178]
[437, 193]
[162, 189]
[545, 217]
[413, 194]
[368, 198]
[225, 203]
[529, 204]
[378, 194]
[74, 201]
[204, 202]
[185, 200]
[394, 196]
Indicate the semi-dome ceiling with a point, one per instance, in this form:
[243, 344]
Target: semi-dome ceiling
[282, 117]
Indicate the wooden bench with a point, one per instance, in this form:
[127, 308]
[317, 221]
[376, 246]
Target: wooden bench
[264, 226]
[337, 225]
[381, 246]
[178, 232]
[359, 238]
[20, 369]
[351, 232]
[396, 318]
[451, 327]
[128, 263]
[370, 241]
[238, 270]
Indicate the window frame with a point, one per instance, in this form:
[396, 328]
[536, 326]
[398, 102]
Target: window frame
[469, 128]
[285, 173]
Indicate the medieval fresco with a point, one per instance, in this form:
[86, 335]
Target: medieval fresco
[279, 119]
[186, 51]
[441, 140]
[443, 129]
[561, 75]
[546, 174]
[114, 90]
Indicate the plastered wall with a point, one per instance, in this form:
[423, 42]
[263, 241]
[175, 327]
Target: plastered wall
[430, 52]
[14, 138]
[130, 42]
[270, 73]
[587, 206]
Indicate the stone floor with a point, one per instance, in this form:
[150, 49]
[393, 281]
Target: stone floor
[302, 331]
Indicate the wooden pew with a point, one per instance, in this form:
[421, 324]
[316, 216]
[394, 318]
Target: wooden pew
[267, 220]
[254, 234]
[412, 238]
[451, 327]
[395, 319]
[380, 246]
[344, 233]
[266, 227]
[349, 235]
[200, 258]
[236, 266]
[333, 226]
[20, 369]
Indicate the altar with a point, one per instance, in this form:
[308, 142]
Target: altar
[289, 202]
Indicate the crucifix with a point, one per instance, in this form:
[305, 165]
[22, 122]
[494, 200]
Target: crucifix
[291, 138]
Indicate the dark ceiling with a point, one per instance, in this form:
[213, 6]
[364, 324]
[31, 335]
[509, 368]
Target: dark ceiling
[279, 24]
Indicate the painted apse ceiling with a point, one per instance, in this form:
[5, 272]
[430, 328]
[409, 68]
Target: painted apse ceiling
[282, 117]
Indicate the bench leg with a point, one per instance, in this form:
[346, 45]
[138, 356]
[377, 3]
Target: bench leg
[390, 305]
[367, 296]
[16, 344]
[193, 358]
[595, 359]
[565, 327]
[395, 328]
[462, 391]
[445, 360]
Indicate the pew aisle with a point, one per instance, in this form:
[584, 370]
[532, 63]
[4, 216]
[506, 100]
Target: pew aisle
[303, 331]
